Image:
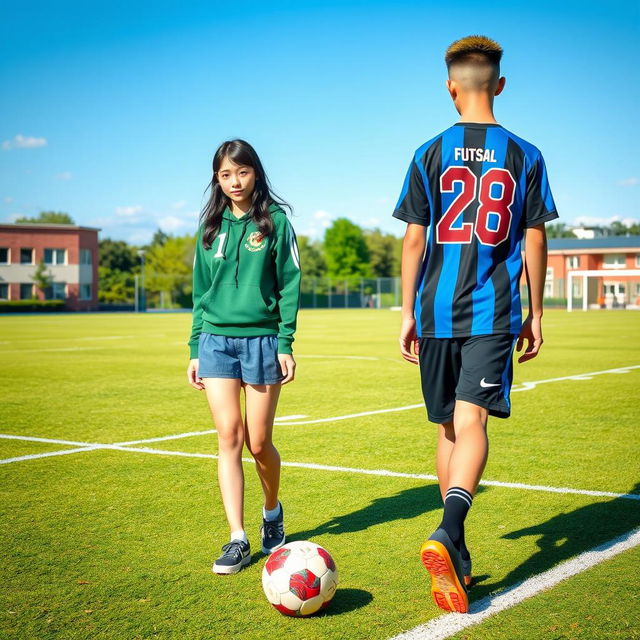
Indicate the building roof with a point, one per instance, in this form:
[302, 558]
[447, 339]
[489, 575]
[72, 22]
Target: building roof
[45, 225]
[604, 242]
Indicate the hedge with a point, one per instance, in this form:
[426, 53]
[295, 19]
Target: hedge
[22, 306]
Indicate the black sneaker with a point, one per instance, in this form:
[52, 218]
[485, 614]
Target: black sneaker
[272, 533]
[442, 560]
[236, 554]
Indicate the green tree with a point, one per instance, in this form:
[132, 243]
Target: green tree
[346, 250]
[312, 262]
[168, 271]
[619, 229]
[559, 230]
[117, 255]
[159, 238]
[384, 256]
[115, 286]
[41, 278]
[51, 217]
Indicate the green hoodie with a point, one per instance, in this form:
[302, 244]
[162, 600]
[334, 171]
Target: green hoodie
[245, 284]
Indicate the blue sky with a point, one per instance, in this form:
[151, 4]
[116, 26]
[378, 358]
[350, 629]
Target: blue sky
[112, 111]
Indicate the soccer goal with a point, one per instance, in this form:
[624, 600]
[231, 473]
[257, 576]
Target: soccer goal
[613, 294]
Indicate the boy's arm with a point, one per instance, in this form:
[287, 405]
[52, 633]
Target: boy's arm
[535, 265]
[413, 248]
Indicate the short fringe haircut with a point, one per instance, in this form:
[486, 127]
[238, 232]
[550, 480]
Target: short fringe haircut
[472, 48]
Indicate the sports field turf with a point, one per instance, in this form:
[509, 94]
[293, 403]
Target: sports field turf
[118, 543]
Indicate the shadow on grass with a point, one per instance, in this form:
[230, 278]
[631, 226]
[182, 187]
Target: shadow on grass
[346, 600]
[404, 505]
[567, 535]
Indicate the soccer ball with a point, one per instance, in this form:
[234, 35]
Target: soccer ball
[300, 578]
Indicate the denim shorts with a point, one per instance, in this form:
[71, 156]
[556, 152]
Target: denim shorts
[253, 360]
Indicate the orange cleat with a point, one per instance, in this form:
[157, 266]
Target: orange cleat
[442, 560]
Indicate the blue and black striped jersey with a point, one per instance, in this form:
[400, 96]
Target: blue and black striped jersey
[477, 186]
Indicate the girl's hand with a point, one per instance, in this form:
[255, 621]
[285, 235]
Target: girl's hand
[288, 366]
[192, 375]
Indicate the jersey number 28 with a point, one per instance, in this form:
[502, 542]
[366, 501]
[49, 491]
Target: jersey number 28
[488, 206]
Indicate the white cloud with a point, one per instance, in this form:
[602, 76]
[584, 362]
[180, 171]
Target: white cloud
[180, 204]
[65, 175]
[315, 225]
[129, 211]
[24, 142]
[140, 237]
[628, 182]
[595, 221]
[170, 224]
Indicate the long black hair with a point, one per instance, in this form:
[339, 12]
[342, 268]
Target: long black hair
[241, 153]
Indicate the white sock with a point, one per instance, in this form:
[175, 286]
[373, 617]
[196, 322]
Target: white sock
[239, 535]
[271, 514]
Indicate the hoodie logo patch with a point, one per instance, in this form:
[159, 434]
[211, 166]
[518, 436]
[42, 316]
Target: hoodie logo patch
[255, 242]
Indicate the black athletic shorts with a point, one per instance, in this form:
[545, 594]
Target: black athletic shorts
[478, 369]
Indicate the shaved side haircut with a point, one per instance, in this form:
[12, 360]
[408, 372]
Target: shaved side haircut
[474, 63]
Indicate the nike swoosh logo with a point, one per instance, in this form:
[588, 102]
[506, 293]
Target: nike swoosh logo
[485, 385]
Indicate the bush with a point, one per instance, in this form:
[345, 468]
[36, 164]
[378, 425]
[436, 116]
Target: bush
[22, 306]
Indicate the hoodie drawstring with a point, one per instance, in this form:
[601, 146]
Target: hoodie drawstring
[244, 230]
[226, 240]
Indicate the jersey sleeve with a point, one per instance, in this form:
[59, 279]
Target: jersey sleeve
[539, 204]
[287, 263]
[201, 284]
[413, 204]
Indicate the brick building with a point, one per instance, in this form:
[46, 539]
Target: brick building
[615, 258]
[70, 254]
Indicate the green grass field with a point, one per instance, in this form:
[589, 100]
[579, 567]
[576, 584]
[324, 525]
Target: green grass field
[105, 543]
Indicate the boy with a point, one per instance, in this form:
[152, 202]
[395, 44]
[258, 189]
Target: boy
[477, 187]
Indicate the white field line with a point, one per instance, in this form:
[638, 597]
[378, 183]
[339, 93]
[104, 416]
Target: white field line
[126, 446]
[64, 452]
[447, 625]
[524, 386]
[176, 437]
[60, 349]
[527, 386]
[328, 357]
[75, 443]
[294, 417]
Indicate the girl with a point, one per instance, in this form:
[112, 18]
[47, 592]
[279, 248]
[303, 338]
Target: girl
[246, 289]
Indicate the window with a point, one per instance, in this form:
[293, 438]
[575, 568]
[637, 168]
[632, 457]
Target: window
[576, 287]
[613, 261]
[573, 262]
[57, 291]
[26, 256]
[54, 256]
[85, 256]
[637, 289]
[637, 259]
[4, 255]
[26, 291]
[548, 284]
[4, 291]
[85, 292]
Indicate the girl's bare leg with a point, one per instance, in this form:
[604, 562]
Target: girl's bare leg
[223, 395]
[261, 402]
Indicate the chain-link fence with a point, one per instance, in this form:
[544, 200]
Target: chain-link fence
[153, 291]
[349, 293]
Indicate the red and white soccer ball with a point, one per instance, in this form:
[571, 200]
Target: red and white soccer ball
[300, 578]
